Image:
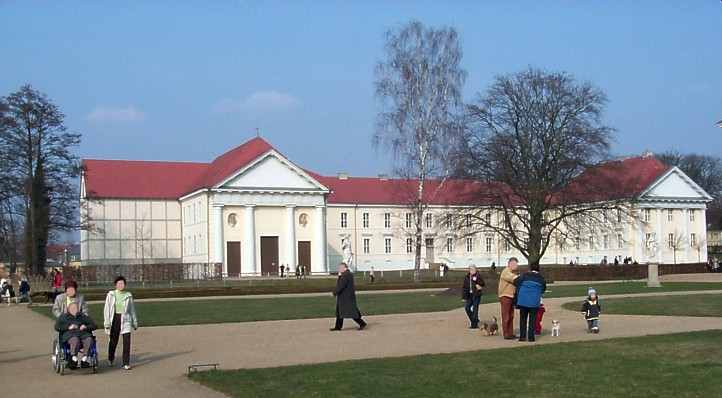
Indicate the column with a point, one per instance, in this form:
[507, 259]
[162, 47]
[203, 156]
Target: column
[685, 241]
[290, 237]
[318, 258]
[248, 264]
[218, 237]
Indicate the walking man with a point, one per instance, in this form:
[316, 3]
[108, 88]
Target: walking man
[345, 294]
[506, 293]
[471, 292]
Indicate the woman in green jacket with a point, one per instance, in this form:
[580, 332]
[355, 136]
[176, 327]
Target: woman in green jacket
[119, 319]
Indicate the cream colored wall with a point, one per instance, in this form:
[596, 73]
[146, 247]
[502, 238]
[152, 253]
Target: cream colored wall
[132, 231]
[195, 214]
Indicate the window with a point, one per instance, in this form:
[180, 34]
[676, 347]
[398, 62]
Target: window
[429, 220]
[365, 220]
[693, 240]
[691, 214]
[367, 245]
[487, 218]
[344, 220]
[409, 245]
[591, 242]
[387, 245]
[489, 245]
[620, 241]
[606, 242]
[647, 215]
[194, 213]
[409, 218]
[448, 222]
[670, 215]
[468, 221]
[469, 245]
[195, 246]
[619, 216]
[450, 245]
[647, 240]
[577, 242]
[670, 241]
[507, 246]
[387, 220]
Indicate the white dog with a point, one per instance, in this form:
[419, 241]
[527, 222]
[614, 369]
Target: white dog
[556, 328]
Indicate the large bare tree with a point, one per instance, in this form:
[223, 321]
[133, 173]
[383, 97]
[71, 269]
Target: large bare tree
[419, 86]
[534, 137]
[39, 169]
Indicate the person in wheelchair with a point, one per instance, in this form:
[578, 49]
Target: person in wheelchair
[76, 330]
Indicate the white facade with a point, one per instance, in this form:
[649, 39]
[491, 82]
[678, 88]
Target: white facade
[270, 213]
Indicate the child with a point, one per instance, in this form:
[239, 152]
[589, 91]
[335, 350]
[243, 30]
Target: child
[591, 310]
[539, 316]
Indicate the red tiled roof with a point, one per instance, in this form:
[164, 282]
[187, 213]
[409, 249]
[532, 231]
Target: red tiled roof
[131, 179]
[171, 180]
[223, 166]
[616, 179]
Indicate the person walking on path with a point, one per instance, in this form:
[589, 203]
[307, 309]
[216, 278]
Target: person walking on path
[60, 305]
[471, 293]
[345, 294]
[119, 319]
[56, 281]
[506, 294]
[591, 310]
[24, 291]
[530, 288]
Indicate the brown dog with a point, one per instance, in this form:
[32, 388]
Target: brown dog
[490, 328]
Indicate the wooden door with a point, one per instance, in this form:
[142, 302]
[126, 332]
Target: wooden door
[233, 258]
[304, 255]
[269, 255]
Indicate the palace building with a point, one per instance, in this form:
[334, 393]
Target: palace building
[252, 210]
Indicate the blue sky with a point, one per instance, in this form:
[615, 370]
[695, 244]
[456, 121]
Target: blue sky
[187, 80]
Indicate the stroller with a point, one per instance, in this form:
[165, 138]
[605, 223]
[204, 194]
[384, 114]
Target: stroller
[62, 358]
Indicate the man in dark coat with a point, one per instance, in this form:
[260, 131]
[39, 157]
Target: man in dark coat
[471, 293]
[345, 294]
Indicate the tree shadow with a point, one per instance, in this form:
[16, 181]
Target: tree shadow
[145, 359]
[21, 359]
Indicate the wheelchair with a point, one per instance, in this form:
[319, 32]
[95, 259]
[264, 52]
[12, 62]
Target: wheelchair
[62, 358]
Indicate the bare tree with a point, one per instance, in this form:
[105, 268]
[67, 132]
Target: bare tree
[419, 86]
[38, 168]
[534, 139]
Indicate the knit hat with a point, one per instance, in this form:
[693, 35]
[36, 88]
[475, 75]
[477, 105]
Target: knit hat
[591, 291]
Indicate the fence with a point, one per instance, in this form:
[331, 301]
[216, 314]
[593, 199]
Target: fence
[151, 273]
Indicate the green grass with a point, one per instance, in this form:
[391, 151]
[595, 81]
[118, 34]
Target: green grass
[678, 365]
[265, 309]
[687, 305]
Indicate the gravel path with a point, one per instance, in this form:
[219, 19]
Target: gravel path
[161, 354]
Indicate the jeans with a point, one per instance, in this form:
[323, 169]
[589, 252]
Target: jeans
[593, 323]
[472, 310]
[114, 336]
[527, 319]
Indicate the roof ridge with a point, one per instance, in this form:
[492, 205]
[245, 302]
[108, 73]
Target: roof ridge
[144, 161]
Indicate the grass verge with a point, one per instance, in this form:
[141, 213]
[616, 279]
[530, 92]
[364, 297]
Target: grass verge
[687, 305]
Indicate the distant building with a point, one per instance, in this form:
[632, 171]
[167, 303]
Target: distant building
[253, 210]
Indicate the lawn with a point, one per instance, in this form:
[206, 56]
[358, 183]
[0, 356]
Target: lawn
[199, 311]
[677, 365]
[688, 305]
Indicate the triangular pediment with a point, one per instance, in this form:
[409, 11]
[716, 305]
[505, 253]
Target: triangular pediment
[675, 184]
[272, 171]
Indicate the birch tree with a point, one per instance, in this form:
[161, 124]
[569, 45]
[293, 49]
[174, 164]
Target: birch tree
[419, 87]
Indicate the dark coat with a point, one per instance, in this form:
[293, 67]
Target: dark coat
[591, 309]
[530, 288]
[345, 293]
[469, 290]
[63, 323]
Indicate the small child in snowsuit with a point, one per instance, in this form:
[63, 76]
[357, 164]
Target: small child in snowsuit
[591, 310]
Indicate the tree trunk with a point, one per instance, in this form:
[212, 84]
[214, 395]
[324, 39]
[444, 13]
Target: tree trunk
[417, 250]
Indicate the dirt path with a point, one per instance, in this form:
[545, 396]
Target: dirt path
[161, 354]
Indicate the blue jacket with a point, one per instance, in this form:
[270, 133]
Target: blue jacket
[530, 288]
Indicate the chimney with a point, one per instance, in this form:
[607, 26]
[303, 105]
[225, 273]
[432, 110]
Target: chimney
[383, 177]
[647, 154]
[343, 175]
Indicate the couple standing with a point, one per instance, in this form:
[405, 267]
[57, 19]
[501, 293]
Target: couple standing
[523, 292]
